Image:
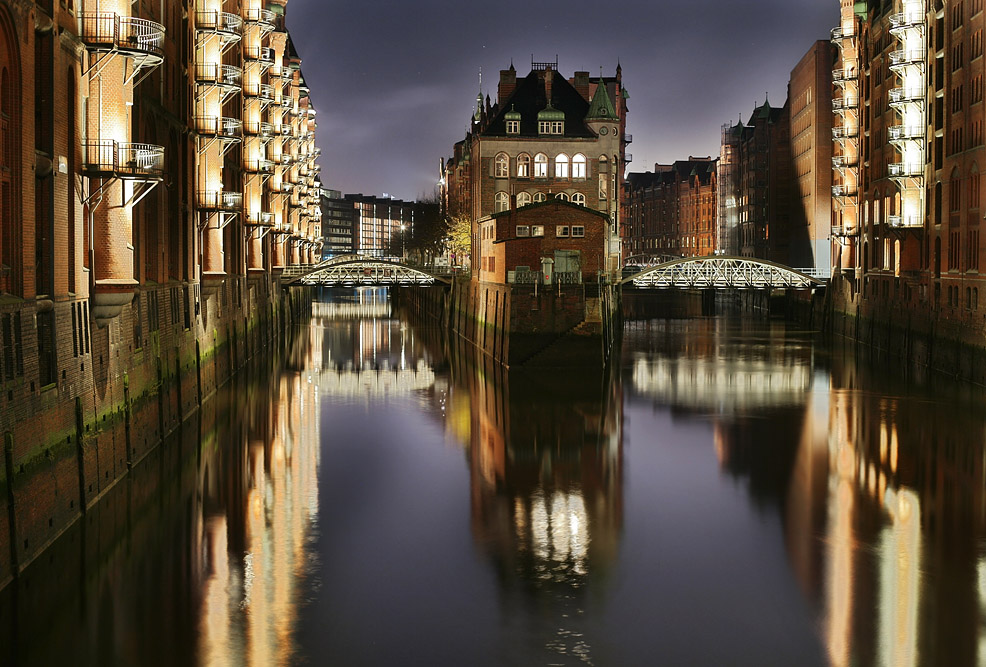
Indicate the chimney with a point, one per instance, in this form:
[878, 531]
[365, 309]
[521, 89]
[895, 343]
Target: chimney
[548, 78]
[508, 81]
[581, 84]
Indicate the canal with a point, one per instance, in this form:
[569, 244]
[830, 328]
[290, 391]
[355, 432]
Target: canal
[734, 491]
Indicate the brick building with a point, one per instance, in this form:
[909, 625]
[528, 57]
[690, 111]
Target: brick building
[909, 151]
[672, 211]
[157, 171]
[544, 137]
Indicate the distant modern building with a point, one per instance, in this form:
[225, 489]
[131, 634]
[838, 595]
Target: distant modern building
[545, 137]
[338, 222]
[367, 224]
[672, 211]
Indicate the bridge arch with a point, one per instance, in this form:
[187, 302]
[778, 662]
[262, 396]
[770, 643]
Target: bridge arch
[721, 272]
[358, 270]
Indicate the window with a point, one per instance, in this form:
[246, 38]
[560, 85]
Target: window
[539, 196]
[513, 127]
[501, 202]
[954, 191]
[578, 166]
[523, 199]
[537, 230]
[523, 230]
[540, 166]
[578, 231]
[501, 168]
[544, 127]
[561, 166]
[562, 195]
[561, 231]
[523, 166]
[974, 188]
[10, 264]
[603, 186]
[578, 198]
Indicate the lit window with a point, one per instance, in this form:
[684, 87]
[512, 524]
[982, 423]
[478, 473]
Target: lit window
[539, 196]
[557, 127]
[523, 199]
[537, 230]
[501, 167]
[578, 231]
[501, 202]
[603, 186]
[523, 230]
[523, 166]
[561, 166]
[561, 231]
[540, 166]
[578, 198]
[578, 166]
[544, 127]
[513, 127]
[561, 195]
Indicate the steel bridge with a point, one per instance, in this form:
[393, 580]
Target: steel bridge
[723, 272]
[362, 271]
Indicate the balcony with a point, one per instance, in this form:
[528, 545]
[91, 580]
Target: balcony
[843, 161]
[133, 37]
[905, 169]
[265, 18]
[905, 221]
[108, 158]
[261, 166]
[226, 25]
[847, 102]
[262, 54]
[843, 230]
[214, 74]
[906, 20]
[260, 219]
[906, 57]
[905, 132]
[844, 132]
[224, 128]
[840, 191]
[906, 95]
[840, 33]
[285, 130]
[259, 128]
[218, 200]
[627, 138]
[627, 158]
[844, 74]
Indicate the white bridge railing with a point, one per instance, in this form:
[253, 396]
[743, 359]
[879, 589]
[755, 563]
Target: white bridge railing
[723, 272]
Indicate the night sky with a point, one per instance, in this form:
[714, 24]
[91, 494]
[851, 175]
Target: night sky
[394, 82]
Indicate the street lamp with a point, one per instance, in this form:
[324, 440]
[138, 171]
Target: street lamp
[403, 227]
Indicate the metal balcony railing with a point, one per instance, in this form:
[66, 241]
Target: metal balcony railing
[260, 219]
[905, 132]
[108, 31]
[627, 158]
[628, 138]
[123, 159]
[262, 166]
[904, 20]
[219, 75]
[264, 54]
[842, 74]
[905, 221]
[220, 200]
[844, 132]
[843, 191]
[905, 57]
[227, 128]
[904, 95]
[266, 92]
[259, 128]
[843, 161]
[847, 102]
[905, 169]
[265, 17]
[213, 20]
[840, 33]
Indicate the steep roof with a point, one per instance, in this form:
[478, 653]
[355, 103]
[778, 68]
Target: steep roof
[529, 99]
[601, 106]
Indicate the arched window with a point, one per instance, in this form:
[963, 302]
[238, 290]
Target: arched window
[578, 198]
[974, 186]
[501, 166]
[539, 196]
[540, 166]
[603, 162]
[523, 199]
[523, 166]
[561, 195]
[561, 166]
[501, 202]
[954, 191]
[578, 166]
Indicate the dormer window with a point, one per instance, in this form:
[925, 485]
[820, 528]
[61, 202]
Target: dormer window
[551, 121]
[513, 127]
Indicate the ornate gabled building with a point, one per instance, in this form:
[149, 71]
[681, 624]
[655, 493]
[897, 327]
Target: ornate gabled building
[544, 137]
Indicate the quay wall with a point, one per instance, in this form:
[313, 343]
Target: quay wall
[116, 392]
[544, 325]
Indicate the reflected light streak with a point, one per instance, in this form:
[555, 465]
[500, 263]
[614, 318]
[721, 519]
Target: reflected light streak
[900, 563]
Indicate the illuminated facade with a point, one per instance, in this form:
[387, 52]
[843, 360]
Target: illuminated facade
[157, 172]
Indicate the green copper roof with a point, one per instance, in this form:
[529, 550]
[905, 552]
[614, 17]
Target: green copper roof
[479, 107]
[550, 113]
[513, 114]
[601, 106]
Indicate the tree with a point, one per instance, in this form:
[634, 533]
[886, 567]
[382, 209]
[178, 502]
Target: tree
[460, 237]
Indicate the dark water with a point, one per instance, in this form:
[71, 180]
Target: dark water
[735, 492]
